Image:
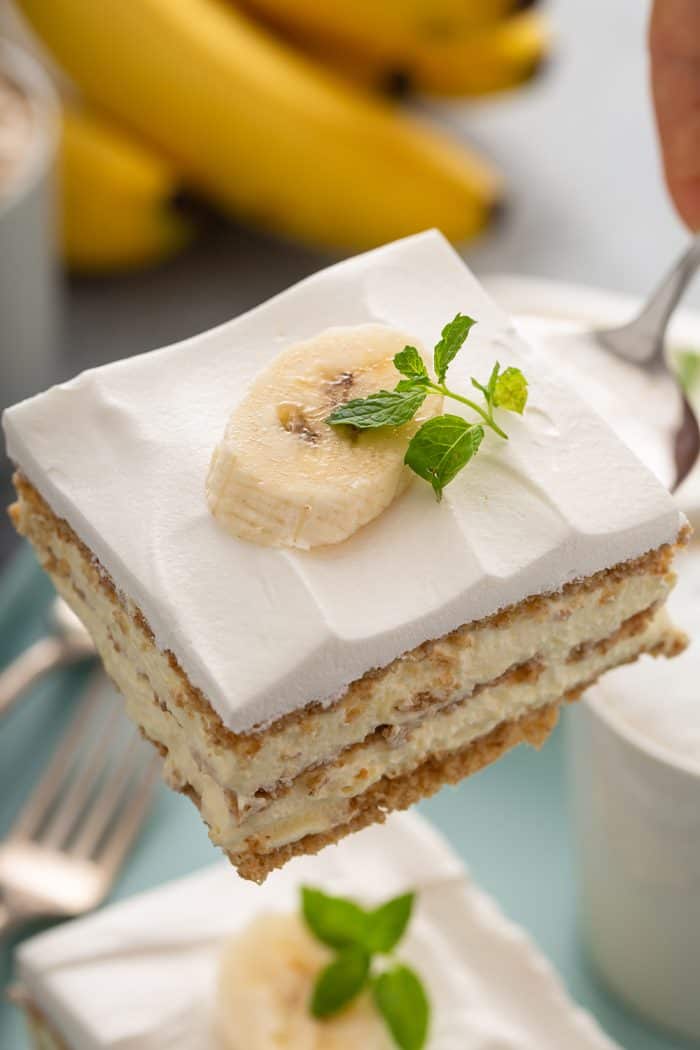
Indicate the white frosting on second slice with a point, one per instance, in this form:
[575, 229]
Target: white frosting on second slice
[122, 452]
[141, 975]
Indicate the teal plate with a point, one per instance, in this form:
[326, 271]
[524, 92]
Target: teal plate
[509, 824]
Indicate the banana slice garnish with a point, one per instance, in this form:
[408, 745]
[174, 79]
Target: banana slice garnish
[266, 978]
[281, 476]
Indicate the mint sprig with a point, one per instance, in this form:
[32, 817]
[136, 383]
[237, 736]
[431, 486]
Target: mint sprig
[386, 408]
[358, 936]
[387, 924]
[452, 340]
[441, 448]
[401, 1000]
[443, 445]
[340, 982]
[334, 921]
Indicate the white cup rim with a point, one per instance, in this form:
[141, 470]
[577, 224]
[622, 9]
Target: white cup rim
[659, 754]
[32, 78]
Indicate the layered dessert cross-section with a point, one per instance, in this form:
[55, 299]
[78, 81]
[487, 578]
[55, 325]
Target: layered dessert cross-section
[299, 694]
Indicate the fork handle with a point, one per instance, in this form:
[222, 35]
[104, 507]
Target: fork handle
[42, 656]
[651, 323]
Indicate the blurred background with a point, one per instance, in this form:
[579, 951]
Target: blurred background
[209, 153]
[168, 164]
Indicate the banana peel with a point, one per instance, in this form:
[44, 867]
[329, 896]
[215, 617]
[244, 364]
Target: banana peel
[116, 198]
[385, 32]
[486, 61]
[263, 132]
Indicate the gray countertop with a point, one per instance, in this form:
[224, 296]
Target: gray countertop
[586, 202]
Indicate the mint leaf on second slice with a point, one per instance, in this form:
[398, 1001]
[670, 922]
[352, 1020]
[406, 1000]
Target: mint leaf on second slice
[402, 1002]
[387, 924]
[334, 921]
[453, 337]
[386, 408]
[340, 982]
[443, 445]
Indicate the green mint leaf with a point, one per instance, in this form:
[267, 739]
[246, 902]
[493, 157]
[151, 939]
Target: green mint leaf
[453, 337]
[340, 982]
[387, 408]
[401, 1000]
[387, 924]
[689, 370]
[441, 447]
[334, 921]
[410, 364]
[418, 383]
[510, 390]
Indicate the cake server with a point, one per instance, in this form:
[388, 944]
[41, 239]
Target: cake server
[641, 342]
[67, 643]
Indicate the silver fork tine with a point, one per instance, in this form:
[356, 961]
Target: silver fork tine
[126, 827]
[105, 805]
[84, 782]
[93, 798]
[41, 799]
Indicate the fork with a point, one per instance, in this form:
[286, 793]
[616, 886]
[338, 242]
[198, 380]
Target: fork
[67, 642]
[72, 835]
[641, 342]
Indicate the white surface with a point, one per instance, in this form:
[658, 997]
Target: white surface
[140, 975]
[122, 453]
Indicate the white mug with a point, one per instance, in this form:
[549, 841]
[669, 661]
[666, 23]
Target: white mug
[636, 814]
[28, 268]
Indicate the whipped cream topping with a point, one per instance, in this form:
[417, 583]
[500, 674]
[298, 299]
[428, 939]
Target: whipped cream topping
[141, 975]
[122, 452]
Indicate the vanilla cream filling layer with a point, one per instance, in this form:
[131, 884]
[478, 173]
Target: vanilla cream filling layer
[306, 811]
[449, 670]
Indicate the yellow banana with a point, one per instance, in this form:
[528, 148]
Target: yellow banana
[495, 58]
[263, 131]
[116, 196]
[386, 30]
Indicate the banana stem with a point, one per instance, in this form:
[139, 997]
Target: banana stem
[440, 388]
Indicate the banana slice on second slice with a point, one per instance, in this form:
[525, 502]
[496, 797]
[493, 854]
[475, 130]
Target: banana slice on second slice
[266, 978]
[281, 476]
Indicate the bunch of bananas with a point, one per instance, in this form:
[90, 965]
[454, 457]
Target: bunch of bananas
[276, 111]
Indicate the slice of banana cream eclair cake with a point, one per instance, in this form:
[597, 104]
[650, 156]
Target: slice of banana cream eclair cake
[346, 548]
